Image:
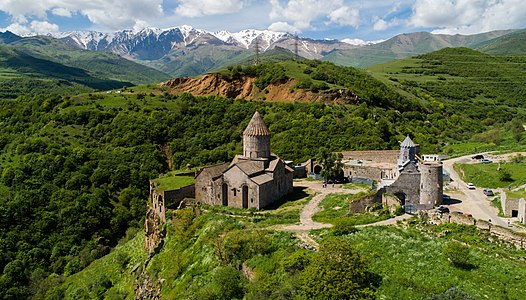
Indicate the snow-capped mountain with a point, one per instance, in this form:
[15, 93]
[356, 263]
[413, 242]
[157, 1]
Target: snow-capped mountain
[154, 43]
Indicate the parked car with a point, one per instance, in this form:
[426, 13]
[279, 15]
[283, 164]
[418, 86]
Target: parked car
[443, 209]
[470, 186]
[468, 215]
[446, 197]
[478, 156]
[485, 161]
[488, 192]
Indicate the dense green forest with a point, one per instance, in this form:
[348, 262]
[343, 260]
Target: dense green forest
[75, 168]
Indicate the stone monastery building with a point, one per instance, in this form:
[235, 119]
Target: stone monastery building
[252, 180]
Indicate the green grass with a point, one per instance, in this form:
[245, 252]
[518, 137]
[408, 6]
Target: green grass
[498, 205]
[115, 267]
[410, 261]
[413, 266]
[167, 182]
[335, 208]
[516, 194]
[486, 175]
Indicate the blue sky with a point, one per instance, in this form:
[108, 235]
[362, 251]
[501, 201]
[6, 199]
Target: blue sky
[335, 19]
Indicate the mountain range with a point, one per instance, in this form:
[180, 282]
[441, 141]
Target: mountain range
[188, 51]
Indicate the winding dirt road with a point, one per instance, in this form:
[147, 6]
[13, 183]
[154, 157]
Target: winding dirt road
[474, 201]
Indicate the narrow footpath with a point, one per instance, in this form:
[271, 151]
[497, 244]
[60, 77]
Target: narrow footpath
[307, 223]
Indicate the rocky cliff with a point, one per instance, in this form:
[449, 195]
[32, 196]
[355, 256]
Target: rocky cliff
[245, 88]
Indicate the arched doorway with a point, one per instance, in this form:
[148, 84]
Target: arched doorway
[224, 193]
[245, 196]
[317, 169]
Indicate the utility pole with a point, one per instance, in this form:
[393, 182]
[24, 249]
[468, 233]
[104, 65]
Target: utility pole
[296, 41]
[256, 62]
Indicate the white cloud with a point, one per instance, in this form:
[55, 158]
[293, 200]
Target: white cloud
[43, 27]
[18, 28]
[345, 16]
[197, 8]
[301, 13]
[360, 42]
[283, 27]
[35, 27]
[62, 12]
[116, 14]
[380, 25]
[468, 16]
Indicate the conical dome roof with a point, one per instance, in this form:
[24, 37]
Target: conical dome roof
[407, 143]
[256, 126]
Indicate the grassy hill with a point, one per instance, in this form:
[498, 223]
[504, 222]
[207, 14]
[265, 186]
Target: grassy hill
[199, 259]
[100, 64]
[8, 37]
[464, 82]
[461, 77]
[407, 45]
[22, 73]
[197, 61]
[510, 44]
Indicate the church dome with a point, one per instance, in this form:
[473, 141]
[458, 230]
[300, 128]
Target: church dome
[256, 126]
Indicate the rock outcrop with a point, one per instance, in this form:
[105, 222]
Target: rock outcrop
[245, 88]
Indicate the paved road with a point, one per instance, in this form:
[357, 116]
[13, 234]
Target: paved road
[473, 201]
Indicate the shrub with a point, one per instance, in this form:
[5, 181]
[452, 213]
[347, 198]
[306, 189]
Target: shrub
[504, 175]
[338, 272]
[458, 255]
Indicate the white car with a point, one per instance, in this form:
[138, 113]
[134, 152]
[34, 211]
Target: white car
[470, 186]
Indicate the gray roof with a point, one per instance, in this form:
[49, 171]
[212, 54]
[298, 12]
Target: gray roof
[250, 167]
[407, 143]
[256, 126]
[262, 179]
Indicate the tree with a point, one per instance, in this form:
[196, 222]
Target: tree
[338, 272]
[330, 162]
[517, 129]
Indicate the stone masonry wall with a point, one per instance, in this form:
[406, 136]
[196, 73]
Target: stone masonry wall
[173, 198]
[365, 203]
[508, 204]
[409, 185]
[374, 173]
[381, 156]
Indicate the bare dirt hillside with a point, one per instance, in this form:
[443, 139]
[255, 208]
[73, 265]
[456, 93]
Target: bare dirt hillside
[245, 88]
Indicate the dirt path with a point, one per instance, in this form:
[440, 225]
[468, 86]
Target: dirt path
[307, 223]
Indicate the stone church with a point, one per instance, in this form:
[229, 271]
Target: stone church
[419, 184]
[255, 179]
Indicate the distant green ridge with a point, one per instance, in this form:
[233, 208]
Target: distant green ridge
[511, 44]
[100, 64]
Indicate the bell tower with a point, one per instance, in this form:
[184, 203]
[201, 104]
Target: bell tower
[256, 138]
